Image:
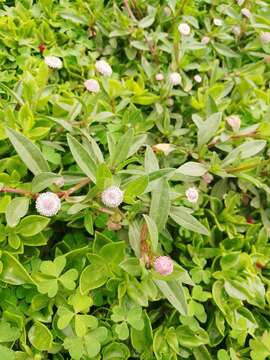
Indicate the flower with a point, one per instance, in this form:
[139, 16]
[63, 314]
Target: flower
[163, 265]
[218, 22]
[112, 196]
[184, 29]
[246, 12]
[265, 37]
[170, 102]
[175, 78]
[103, 67]
[92, 85]
[165, 148]
[198, 78]
[53, 62]
[48, 204]
[208, 178]
[192, 195]
[205, 40]
[159, 77]
[240, 2]
[234, 122]
[60, 182]
[236, 30]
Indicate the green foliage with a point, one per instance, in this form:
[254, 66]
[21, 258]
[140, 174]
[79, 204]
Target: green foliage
[83, 284]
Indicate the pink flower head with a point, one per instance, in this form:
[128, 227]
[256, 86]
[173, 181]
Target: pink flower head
[159, 77]
[205, 40]
[198, 78]
[92, 85]
[265, 37]
[48, 204]
[245, 12]
[192, 195]
[53, 62]
[184, 29]
[208, 178]
[112, 196]
[234, 122]
[103, 68]
[163, 265]
[175, 78]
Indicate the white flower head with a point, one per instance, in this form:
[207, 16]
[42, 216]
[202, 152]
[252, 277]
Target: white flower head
[159, 77]
[112, 196]
[175, 78]
[218, 22]
[198, 78]
[53, 62]
[48, 204]
[205, 40]
[103, 68]
[245, 12]
[265, 37]
[234, 122]
[192, 195]
[236, 30]
[92, 85]
[165, 148]
[184, 29]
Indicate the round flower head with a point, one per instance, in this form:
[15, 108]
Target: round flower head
[163, 265]
[208, 178]
[265, 37]
[198, 78]
[175, 78]
[218, 22]
[245, 12]
[205, 40]
[192, 195]
[92, 85]
[159, 77]
[60, 182]
[236, 30]
[53, 62]
[234, 122]
[184, 29]
[112, 196]
[103, 67]
[48, 204]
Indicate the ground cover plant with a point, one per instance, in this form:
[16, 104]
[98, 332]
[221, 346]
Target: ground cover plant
[134, 179]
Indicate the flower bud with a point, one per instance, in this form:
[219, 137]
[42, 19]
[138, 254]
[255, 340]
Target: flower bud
[198, 78]
[208, 178]
[60, 182]
[265, 37]
[112, 196]
[48, 204]
[163, 265]
[192, 195]
[217, 22]
[234, 122]
[103, 68]
[92, 85]
[165, 148]
[159, 77]
[245, 12]
[236, 30]
[205, 40]
[53, 62]
[175, 78]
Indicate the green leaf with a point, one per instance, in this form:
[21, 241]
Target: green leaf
[13, 271]
[135, 188]
[6, 353]
[75, 347]
[93, 279]
[121, 149]
[28, 152]
[16, 209]
[174, 293]
[150, 161]
[40, 337]
[208, 128]
[225, 51]
[115, 351]
[8, 333]
[43, 181]
[82, 158]
[160, 203]
[182, 217]
[32, 225]
[153, 231]
[245, 151]
[192, 168]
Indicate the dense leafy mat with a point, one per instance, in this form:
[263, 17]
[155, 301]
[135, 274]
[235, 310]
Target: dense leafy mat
[180, 129]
